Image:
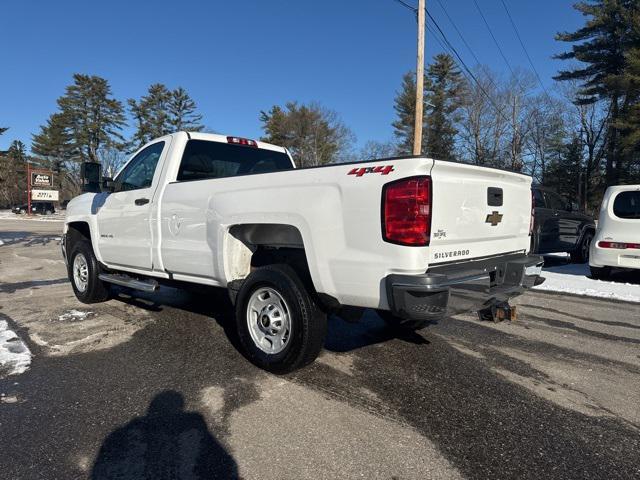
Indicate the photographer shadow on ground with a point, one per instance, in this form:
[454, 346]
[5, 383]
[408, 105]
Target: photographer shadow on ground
[167, 443]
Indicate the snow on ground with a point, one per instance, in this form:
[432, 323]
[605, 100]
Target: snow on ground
[74, 315]
[9, 215]
[574, 278]
[15, 356]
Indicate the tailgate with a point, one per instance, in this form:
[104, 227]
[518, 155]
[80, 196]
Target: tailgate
[478, 212]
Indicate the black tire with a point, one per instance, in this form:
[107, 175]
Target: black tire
[600, 273]
[95, 290]
[581, 253]
[308, 324]
[402, 324]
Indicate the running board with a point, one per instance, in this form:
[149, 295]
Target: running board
[127, 281]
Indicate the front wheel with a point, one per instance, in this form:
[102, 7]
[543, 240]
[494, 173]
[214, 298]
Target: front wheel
[581, 253]
[279, 325]
[83, 273]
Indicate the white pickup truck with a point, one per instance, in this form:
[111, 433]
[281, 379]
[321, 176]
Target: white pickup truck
[414, 238]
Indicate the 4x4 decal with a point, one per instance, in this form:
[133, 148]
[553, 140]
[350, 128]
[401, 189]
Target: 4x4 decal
[382, 170]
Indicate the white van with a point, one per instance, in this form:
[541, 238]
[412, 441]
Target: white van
[617, 240]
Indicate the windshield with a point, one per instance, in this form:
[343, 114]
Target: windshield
[627, 205]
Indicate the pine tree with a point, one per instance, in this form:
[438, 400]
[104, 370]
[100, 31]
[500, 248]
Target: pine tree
[444, 88]
[13, 174]
[602, 46]
[405, 107]
[183, 112]
[91, 116]
[564, 172]
[151, 114]
[313, 134]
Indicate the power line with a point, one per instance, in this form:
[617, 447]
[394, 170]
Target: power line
[458, 32]
[457, 57]
[494, 38]
[461, 63]
[406, 5]
[515, 29]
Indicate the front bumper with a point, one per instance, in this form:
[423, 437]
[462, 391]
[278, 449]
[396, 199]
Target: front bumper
[460, 287]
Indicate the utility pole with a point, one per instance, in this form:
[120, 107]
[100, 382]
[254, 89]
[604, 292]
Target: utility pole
[417, 131]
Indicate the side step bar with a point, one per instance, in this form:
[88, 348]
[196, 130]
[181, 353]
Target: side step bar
[127, 281]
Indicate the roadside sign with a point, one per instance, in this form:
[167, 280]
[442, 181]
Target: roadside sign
[48, 195]
[41, 179]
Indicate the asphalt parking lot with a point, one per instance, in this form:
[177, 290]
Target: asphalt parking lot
[151, 385]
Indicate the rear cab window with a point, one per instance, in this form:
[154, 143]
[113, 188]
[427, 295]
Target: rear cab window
[627, 205]
[204, 159]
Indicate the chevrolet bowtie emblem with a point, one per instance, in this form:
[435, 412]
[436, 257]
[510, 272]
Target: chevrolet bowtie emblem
[494, 219]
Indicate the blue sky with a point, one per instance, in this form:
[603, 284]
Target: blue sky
[237, 58]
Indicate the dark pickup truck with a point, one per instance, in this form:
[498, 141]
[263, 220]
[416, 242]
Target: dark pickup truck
[559, 227]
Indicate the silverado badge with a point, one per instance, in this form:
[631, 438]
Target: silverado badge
[494, 218]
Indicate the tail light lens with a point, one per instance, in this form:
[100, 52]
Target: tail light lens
[618, 245]
[406, 211]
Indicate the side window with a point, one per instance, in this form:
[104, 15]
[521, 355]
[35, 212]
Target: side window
[538, 199]
[555, 201]
[139, 172]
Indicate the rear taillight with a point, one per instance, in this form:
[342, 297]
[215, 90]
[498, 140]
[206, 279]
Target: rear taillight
[618, 245]
[406, 211]
[242, 141]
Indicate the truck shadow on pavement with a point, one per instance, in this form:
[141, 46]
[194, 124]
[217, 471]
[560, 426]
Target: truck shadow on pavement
[342, 336]
[166, 443]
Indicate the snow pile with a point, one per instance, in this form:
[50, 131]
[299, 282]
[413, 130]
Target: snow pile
[574, 279]
[15, 356]
[74, 316]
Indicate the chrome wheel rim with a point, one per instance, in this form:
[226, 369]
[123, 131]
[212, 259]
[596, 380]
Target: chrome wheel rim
[80, 272]
[268, 320]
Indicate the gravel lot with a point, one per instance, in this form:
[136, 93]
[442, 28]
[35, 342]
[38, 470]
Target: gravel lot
[151, 385]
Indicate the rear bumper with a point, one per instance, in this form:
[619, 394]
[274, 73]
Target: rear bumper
[456, 288]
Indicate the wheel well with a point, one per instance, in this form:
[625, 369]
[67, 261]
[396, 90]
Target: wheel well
[257, 245]
[77, 231]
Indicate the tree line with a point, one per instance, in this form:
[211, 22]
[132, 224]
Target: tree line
[578, 138]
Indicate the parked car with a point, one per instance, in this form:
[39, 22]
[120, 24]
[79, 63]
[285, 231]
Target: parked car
[42, 208]
[559, 227]
[413, 237]
[617, 239]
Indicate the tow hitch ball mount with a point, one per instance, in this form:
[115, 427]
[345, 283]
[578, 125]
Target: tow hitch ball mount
[498, 312]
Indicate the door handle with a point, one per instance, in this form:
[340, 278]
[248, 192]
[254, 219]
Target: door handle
[141, 201]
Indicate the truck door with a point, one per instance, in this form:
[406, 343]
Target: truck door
[545, 223]
[124, 220]
[566, 223]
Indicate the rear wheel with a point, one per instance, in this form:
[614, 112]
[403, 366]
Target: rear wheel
[600, 273]
[581, 253]
[398, 323]
[83, 273]
[279, 324]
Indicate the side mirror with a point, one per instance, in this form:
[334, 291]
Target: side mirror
[90, 173]
[108, 185]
